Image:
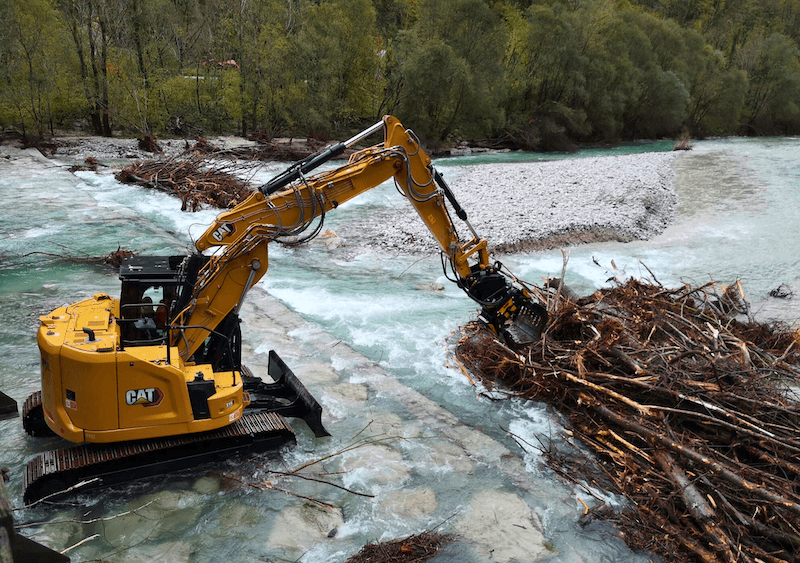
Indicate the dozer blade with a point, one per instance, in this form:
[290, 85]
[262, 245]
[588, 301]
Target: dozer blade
[286, 396]
[8, 407]
[527, 327]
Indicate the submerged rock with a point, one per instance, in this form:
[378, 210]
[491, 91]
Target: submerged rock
[374, 466]
[409, 504]
[300, 528]
[503, 528]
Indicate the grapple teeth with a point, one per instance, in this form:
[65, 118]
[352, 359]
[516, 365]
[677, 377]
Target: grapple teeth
[527, 327]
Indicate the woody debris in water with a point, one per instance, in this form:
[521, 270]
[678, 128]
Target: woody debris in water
[192, 179]
[413, 549]
[689, 405]
[115, 258]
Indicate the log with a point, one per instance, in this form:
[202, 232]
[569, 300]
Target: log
[716, 467]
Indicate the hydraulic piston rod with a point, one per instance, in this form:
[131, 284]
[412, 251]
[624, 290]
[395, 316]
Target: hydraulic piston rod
[310, 163]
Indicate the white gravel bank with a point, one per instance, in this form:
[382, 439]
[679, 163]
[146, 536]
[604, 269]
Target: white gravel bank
[517, 206]
[539, 205]
[104, 148]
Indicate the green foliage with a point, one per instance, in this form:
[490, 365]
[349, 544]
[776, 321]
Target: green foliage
[336, 54]
[438, 79]
[717, 92]
[658, 97]
[452, 79]
[36, 88]
[547, 69]
[774, 76]
[392, 16]
[531, 73]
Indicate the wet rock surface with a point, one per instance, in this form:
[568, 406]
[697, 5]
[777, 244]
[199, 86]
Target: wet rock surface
[398, 459]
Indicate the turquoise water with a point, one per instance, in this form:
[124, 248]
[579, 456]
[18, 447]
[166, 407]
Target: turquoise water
[736, 219]
[586, 152]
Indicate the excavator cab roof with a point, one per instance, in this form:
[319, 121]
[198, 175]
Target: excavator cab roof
[150, 268]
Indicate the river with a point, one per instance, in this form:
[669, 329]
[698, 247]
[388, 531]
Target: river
[370, 317]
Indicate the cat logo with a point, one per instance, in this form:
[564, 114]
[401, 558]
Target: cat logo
[150, 397]
[223, 231]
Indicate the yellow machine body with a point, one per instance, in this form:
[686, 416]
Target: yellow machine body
[102, 382]
[94, 390]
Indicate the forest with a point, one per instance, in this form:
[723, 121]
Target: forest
[528, 74]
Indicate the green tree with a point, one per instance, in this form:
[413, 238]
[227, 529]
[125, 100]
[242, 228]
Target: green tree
[435, 81]
[34, 68]
[547, 72]
[657, 49]
[451, 69]
[717, 92]
[89, 24]
[336, 58]
[637, 86]
[773, 101]
[393, 16]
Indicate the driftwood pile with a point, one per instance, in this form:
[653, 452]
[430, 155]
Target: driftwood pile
[204, 175]
[691, 413]
[413, 549]
[266, 149]
[191, 179]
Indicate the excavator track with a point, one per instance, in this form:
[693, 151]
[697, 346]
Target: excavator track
[33, 416]
[95, 465]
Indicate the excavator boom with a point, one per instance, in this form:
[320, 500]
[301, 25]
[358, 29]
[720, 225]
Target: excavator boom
[289, 204]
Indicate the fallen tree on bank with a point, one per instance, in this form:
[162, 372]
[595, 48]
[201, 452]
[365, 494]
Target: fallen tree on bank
[687, 409]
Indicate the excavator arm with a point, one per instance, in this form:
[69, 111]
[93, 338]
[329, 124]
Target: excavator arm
[294, 205]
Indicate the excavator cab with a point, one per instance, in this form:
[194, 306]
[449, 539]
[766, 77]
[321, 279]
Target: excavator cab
[149, 288]
[153, 287]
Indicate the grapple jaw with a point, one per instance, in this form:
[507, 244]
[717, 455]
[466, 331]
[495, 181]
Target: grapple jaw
[527, 326]
[286, 395]
[507, 308]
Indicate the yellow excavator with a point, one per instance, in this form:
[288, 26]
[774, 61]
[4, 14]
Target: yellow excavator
[153, 381]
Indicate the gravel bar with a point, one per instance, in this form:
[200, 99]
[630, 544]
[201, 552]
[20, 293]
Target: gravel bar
[541, 205]
[515, 206]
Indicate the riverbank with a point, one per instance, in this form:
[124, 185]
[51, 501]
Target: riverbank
[542, 205]
[515, 206]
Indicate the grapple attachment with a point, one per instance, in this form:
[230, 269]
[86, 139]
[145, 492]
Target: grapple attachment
[507, 308]
[529, 323]
[286, 395]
